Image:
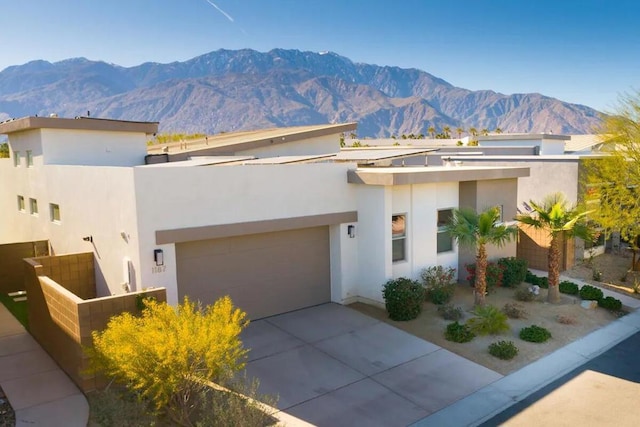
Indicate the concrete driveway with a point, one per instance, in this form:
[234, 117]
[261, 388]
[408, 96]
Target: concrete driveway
[333, 366]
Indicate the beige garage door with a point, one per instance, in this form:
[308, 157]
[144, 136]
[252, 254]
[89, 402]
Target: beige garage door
[264, 274]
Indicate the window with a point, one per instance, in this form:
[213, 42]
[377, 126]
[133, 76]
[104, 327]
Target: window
[16, 158]
[55, 212]
[29, 158]
[398, 237]
[444, 240]
[21, 203]
[33, 206]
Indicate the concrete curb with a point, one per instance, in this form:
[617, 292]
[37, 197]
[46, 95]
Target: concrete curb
[500, 395]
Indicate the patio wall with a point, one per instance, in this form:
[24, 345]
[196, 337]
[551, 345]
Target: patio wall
[11, 265]
[533, 245]
[61, 321]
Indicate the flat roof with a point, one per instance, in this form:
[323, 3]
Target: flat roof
[247, 140]
[529, 158]
[432, 174]
[374, 154]
[80, 123]
[582, 142]
[521, 136]
[283, 160]
[199, 161]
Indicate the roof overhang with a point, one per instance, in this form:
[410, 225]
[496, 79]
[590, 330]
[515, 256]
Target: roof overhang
[80, 123]
[522, 137]
[426, 175]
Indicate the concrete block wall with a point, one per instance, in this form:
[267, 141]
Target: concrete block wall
[11, 264]
[63, 322]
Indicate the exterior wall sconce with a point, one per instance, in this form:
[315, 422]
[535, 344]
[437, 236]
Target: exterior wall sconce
[158, 257]
[88, 239]
[351, 231]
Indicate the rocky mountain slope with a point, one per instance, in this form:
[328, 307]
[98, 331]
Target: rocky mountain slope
[236, 90]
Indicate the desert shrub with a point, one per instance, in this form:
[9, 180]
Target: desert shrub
[514, 311]
[119, 407]
[588, 292]
[505, 350]
[567, 287]
[514, 271]
[610, 303]
[596, 275]
[488, 321]
[458, 333]
[450, 312]
[542, 282]
[524, 294]
[403, 298]
[494, 275]
[438, 283]
[566, 320]
[181, 347]
[535, 333]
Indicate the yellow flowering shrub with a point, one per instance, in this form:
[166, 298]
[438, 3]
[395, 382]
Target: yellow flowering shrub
[167, 352]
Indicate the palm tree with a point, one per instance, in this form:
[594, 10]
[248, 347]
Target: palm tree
[459, 130]
[484, 131]
[473, 131]
[561, 220]
[432, 131]
[498, 131]
[476, 230]
[447, 132]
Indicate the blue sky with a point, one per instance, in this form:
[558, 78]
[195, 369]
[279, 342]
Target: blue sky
[581, 51]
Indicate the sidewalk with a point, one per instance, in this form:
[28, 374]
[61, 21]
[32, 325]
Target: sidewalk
[40, 393]
[498, 396]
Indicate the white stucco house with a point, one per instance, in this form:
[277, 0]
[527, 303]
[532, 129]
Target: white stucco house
[278, 219]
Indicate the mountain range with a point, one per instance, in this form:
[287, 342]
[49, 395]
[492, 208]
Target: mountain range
[229, 90]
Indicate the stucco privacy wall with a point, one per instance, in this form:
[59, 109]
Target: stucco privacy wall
[174, 198]
[12, 266]
[83, 147]
[376, 205]
[61, 321]
[97, 202]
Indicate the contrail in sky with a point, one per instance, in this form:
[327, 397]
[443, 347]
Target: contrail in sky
[220, 10]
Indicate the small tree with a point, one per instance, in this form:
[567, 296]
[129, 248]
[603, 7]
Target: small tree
[168, 353]
[555, 215]
[432, 131]
[476, 231]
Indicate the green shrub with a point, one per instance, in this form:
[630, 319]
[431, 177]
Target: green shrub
[514, 271]
[542, 282]
[589, 292]
[488, 321]
[403, 298]
[458, 333]
[596, 275]
[535, 333]
[505, 350]
[567, 287]
[494, 275]
[524, 294]
[514, 311]
[438, 283]
[450, 312]
[610, 303]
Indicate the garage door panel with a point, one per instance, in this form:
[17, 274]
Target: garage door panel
[264, 274]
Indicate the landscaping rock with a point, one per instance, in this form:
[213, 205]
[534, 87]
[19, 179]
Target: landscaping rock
[589, 305]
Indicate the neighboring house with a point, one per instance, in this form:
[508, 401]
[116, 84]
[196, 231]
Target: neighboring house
[278, 219]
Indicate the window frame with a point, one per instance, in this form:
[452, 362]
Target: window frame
[16, 158]
[29, 157]
[397, 238]
[21, 204]
[52, 209]
[441, 229]
[33, 206]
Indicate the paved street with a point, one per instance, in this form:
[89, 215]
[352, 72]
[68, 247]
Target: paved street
[602, 392]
